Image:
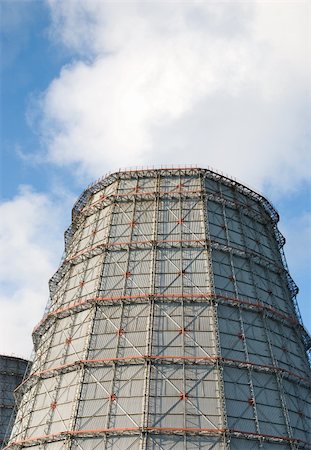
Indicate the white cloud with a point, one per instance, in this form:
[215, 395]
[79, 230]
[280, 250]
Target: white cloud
[214, 84]
[31, 246]
[221, 84]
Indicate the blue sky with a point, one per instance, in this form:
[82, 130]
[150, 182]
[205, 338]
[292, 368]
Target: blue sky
[88, 87]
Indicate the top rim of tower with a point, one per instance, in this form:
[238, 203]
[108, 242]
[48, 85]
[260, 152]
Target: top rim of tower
[4, 356]
[184, 169]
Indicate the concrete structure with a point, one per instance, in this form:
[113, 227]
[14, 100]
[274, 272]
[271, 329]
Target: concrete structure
[173, 324]
[12, 371]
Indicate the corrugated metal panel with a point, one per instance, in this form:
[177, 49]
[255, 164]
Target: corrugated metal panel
[247, 444]
[112, 442]
[56, 446]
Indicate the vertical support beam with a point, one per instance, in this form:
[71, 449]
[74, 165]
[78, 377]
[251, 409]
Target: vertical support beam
[150, 324]
[252, 399]
[214, 305]
[87, 346]
[267, 334]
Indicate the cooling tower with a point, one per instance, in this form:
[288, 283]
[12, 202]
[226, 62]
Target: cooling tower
[172, 324]
[12, 370]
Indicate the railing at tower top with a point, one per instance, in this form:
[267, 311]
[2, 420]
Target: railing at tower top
[109, 177]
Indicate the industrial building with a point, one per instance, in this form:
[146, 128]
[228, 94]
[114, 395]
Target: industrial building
[172, 324]
[12, 371]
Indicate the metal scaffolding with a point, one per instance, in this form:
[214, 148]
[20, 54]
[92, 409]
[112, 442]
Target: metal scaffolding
[172, 323]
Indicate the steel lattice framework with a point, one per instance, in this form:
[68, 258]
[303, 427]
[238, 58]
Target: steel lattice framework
[172, 324]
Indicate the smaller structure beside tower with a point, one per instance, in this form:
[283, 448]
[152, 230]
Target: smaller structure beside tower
[12, 372]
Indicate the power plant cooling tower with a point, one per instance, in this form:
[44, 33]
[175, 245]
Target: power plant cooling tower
[172, 324]
[12, 371]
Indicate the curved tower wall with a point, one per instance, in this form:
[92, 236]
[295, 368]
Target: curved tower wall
[172, 324]
[12, 371]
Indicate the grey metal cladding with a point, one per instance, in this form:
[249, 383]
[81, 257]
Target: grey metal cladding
[173, 324]
[12, 372]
